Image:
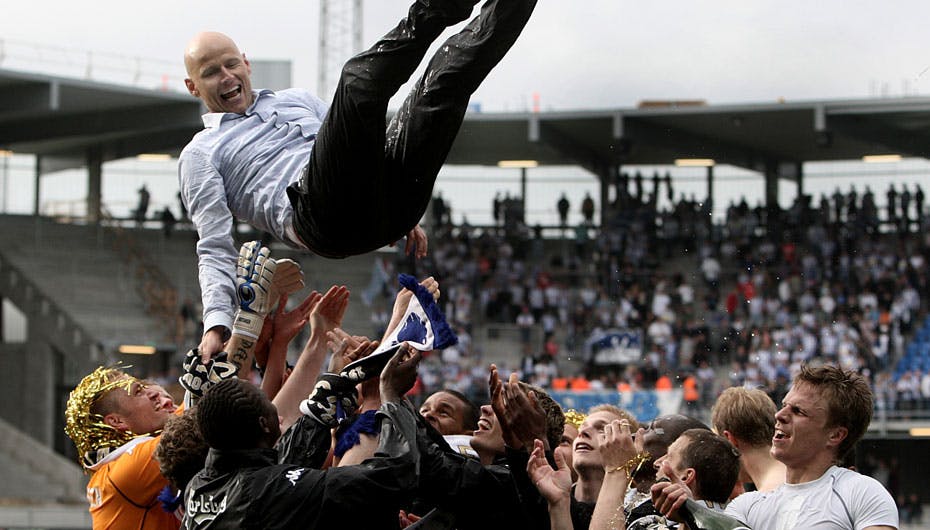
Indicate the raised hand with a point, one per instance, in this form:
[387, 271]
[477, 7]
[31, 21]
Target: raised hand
[622, 458]
[288, 278]
[347, 349]
[555, 485]
[281, 326]
[400, 373]
[618, 445]
[254, 276]
[287, 324]
[521, 417]
[198, 376]
[402, 299]
[328, 313]
[329, 394]
[263, 344]
[416, 241]
[670, 492]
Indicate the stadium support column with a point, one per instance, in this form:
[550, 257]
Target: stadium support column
[38, 186]
[605, 177]
[773, 212]
[6, 180]
[799, 175]
[36, 369]
[94, 177]
[710, 199]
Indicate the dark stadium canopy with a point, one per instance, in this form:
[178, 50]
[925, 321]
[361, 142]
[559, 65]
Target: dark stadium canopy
[65, 121]
[68, 122]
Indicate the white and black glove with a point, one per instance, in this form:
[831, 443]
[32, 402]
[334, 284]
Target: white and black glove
[333, 398]
[198, 377]
[254, 274]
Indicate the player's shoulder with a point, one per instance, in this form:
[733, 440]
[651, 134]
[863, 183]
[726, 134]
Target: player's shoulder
[295, 94]
[300, 97]
[752, 504]
[847, 480]
[198, 145]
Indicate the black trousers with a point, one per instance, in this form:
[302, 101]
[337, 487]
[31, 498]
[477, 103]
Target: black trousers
[369, 182]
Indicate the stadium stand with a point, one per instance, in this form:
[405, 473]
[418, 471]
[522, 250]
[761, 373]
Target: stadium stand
[842, 285]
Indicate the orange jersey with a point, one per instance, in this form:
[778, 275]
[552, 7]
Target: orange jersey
[123, 492]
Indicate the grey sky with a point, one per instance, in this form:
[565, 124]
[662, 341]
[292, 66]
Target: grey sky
[574, 53]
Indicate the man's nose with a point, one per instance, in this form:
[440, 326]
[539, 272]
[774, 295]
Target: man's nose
[658, 463]
[780, 414]
[225, 73]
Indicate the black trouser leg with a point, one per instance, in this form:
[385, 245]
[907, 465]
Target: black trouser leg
[420, 135]
[335, 200]
[367, 186]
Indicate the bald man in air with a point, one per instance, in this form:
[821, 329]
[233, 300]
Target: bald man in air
[339, 180]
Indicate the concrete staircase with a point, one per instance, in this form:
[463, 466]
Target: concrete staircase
[176, 256]
[34, 473]
[77, 268]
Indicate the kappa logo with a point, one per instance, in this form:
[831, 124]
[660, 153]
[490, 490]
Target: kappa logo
[205, 508]
[294, 475]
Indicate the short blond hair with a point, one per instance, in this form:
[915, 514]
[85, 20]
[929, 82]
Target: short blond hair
[748, 414]
[623, 414]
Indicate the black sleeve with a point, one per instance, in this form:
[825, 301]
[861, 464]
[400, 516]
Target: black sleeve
[534, 505]
[480, 497]
[367, 495]
[305, 443]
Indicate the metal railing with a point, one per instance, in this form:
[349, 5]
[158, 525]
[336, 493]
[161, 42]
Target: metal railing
[98, 66]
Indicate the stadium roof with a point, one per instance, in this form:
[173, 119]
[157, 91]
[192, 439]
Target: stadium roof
[749, 135]
[62, 119]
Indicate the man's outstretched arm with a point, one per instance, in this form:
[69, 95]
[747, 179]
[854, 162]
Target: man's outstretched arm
[205, 196]
[256, 293]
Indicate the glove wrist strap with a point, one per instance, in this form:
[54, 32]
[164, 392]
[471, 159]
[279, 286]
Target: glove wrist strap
[248, 324]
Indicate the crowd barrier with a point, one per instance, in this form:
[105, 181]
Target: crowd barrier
[643, 404]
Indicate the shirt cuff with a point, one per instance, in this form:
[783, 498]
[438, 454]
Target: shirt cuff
[218, 319]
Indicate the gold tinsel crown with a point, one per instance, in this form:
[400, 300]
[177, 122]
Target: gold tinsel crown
[86, 429]
[573, 417]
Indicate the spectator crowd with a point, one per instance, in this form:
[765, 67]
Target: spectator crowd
[744, 302]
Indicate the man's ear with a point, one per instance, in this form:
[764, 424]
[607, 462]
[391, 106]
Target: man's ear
[729, 436]
[116, 421]
[191, 88]
[263, 423]
[837, 435]
[248, 65]
[689, 478]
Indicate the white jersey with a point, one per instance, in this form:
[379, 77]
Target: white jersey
[840, 499]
